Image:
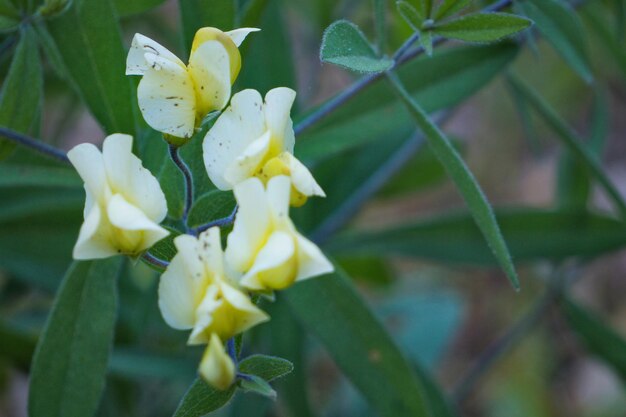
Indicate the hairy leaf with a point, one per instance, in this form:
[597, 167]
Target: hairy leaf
[482, 27]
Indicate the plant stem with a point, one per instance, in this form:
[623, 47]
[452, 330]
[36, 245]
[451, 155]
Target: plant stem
[570, 139]
[232, 351]
[401, 56]
[502, 345]
[224, 221]
[153, 260]
[184, 169]
[39, 146]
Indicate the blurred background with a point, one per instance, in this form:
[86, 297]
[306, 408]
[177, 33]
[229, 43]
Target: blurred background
[449, 316]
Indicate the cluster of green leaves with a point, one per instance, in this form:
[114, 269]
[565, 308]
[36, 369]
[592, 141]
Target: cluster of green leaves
[94, 342]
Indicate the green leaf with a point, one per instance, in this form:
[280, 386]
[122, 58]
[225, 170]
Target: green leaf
[253, 383]
[426, 40]
[448, 8]
[13, 175]
[211, 206]
[130, 7]
[608, 40]
[200, 399]
[89, 40]
[359, 344]
[531, 234]
[345, 45]
[442, 81]
[270, 49]
[195, 14]
[570, 139]
[70, 362]
[600, 339]
[51, 52]
[482, 27]
[8, 24]
[266, 367]
[465, 182]
[410, 14]
[21, 94]
[560, 26]
[425, 7]
[38, 228]
[380, 23]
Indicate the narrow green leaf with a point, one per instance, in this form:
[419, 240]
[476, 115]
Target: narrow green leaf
[466, 183]
[51, 52]
[449, 8]
[426, 40]
[200, 399]
[21, 94]
[211, 206]
[410, 14]
[266, 367]
[531, 234]
[600, 339]
[380, 23]
[425, 7]
[196, 14]
[70, 362]
[130, 7]
[359, 344]
[608, 40]
[8, 24]
[442, 81]
[89, 40]
[482, 27]
[570, 140]
[439, 404]
[560, 26]
[345, 45]
[271, 49]
[13, 175]
[253, 383]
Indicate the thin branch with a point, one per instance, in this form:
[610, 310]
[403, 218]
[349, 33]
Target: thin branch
[184, 169]
[401, 56]
[224, 221]
[153, 260]
[375, 182]
[508, 340]
[34, 144]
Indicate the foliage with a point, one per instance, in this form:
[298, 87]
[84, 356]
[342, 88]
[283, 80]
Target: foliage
[89, 333]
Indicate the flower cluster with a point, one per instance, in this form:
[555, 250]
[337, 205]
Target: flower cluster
[249, 149]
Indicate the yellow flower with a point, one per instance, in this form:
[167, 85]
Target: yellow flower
[264, 246]
[216, 367]
[195, 293]
[252, 138]
[174, 97]
[124, 202]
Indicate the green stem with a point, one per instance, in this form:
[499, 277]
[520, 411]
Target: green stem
[463, 178]
[570, 139]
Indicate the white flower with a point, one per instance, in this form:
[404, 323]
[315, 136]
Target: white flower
[255, 138]
[264, 246]
[174, 97]
[124, 202]
[195, 293]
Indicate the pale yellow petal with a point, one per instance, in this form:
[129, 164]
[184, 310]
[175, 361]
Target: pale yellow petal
[87, 161]
[216, 367]
[209, 67]
[251, 226]
[127, 176]
[275, 266]
[141, 45]
[311, 260]
[237, 127]
[278, 102]
[249, 162]
[301, 177]
[92, 242]
[167, 98]
[238, 35]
